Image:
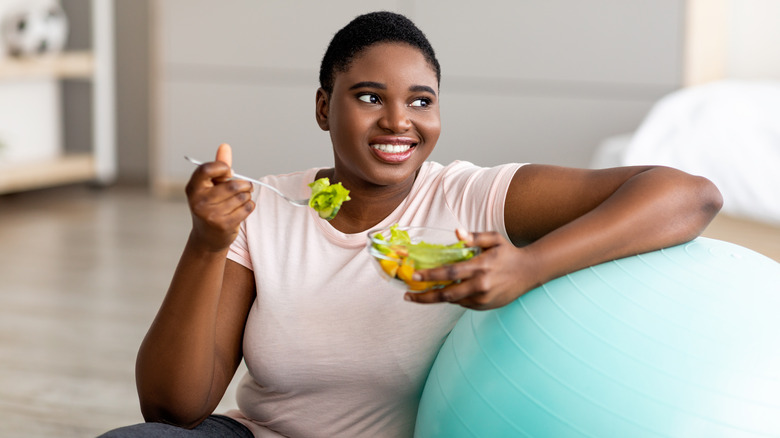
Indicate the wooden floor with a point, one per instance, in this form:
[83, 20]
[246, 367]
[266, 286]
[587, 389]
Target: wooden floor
[82, 272]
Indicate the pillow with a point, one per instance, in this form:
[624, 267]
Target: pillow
[727, 131]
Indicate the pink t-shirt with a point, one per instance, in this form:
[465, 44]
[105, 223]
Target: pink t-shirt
[332, 350]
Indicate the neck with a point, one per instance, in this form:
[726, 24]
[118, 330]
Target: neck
[368, 205]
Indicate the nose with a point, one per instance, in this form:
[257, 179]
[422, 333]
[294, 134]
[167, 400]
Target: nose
[395, 118]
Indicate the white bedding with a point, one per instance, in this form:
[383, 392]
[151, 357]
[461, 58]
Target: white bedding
[727, 131]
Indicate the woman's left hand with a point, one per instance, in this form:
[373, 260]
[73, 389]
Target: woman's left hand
[494, 278]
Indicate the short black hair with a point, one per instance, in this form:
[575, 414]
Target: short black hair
[367, 30]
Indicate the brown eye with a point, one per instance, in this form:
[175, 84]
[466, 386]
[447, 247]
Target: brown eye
[369, 98]
[422, 102]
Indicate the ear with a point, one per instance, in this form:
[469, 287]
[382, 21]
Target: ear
[321, 109]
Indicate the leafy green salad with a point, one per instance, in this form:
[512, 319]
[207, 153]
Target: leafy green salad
[422, 255]
[326, 198]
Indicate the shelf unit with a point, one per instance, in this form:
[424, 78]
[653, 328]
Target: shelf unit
[95, 65]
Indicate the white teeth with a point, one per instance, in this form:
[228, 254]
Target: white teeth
[391, 148]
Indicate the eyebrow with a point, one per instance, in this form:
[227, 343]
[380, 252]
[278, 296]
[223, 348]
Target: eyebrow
[422, 88]
[369, 84]
[381, 86]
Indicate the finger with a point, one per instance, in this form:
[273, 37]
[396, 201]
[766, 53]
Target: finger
[232, 192]
[466, 294]
[483, 239]
[428, 297]
[464, 235]
[451, 272]
[465, 269]
[469, 303]
[457, 292]
[240, 212]
[453, 294]
[237, 202]
[208, 200]
[228, 214]
[483, 301]
[208, 175]
[231, 187]
[225, 154]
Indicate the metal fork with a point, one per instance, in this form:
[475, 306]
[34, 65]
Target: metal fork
[295, 202]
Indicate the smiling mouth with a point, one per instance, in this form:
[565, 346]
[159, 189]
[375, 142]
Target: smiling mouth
[393, 148]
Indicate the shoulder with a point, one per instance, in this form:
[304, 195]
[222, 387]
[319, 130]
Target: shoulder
[459, 172]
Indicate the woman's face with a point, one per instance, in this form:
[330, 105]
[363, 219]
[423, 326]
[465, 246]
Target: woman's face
[383, 116]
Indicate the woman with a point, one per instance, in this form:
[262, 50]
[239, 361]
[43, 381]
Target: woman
[330, 350]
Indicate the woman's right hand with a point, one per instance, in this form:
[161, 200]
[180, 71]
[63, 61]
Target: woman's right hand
[217, 203]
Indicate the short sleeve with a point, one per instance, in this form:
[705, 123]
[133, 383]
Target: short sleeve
[239, 250]
[476, 195]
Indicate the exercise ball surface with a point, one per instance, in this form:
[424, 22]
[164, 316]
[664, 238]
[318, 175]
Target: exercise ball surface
[680, 342]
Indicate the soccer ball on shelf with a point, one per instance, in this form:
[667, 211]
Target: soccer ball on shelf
[34, 28]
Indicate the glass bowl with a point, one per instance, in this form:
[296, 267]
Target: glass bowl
[399, 251]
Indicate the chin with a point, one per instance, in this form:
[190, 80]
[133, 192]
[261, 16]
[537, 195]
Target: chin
[397, 174]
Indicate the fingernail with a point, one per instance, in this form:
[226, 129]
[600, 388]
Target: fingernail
[416, 277]
[407, 297]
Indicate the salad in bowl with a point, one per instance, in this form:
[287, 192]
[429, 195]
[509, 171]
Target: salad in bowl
[400, 251]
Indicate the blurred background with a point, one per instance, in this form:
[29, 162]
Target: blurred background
[100, 100]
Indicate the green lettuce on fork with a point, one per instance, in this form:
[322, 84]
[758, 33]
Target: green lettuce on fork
[326, 198]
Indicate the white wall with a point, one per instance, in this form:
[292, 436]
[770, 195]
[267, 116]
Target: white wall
[735, 39]
[753, 39]
[527, 81]
[546, 81]
[522, 80]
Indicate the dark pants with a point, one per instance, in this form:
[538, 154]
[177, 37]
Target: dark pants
[214, 426]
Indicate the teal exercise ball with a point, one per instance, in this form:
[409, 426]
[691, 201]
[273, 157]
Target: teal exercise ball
[680, 342]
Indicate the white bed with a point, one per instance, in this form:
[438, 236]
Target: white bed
[727, 131]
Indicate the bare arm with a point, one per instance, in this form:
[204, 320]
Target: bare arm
[564, 219]
[606, 214]
[193, 347]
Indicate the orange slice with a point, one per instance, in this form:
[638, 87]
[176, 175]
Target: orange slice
[389, 266]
